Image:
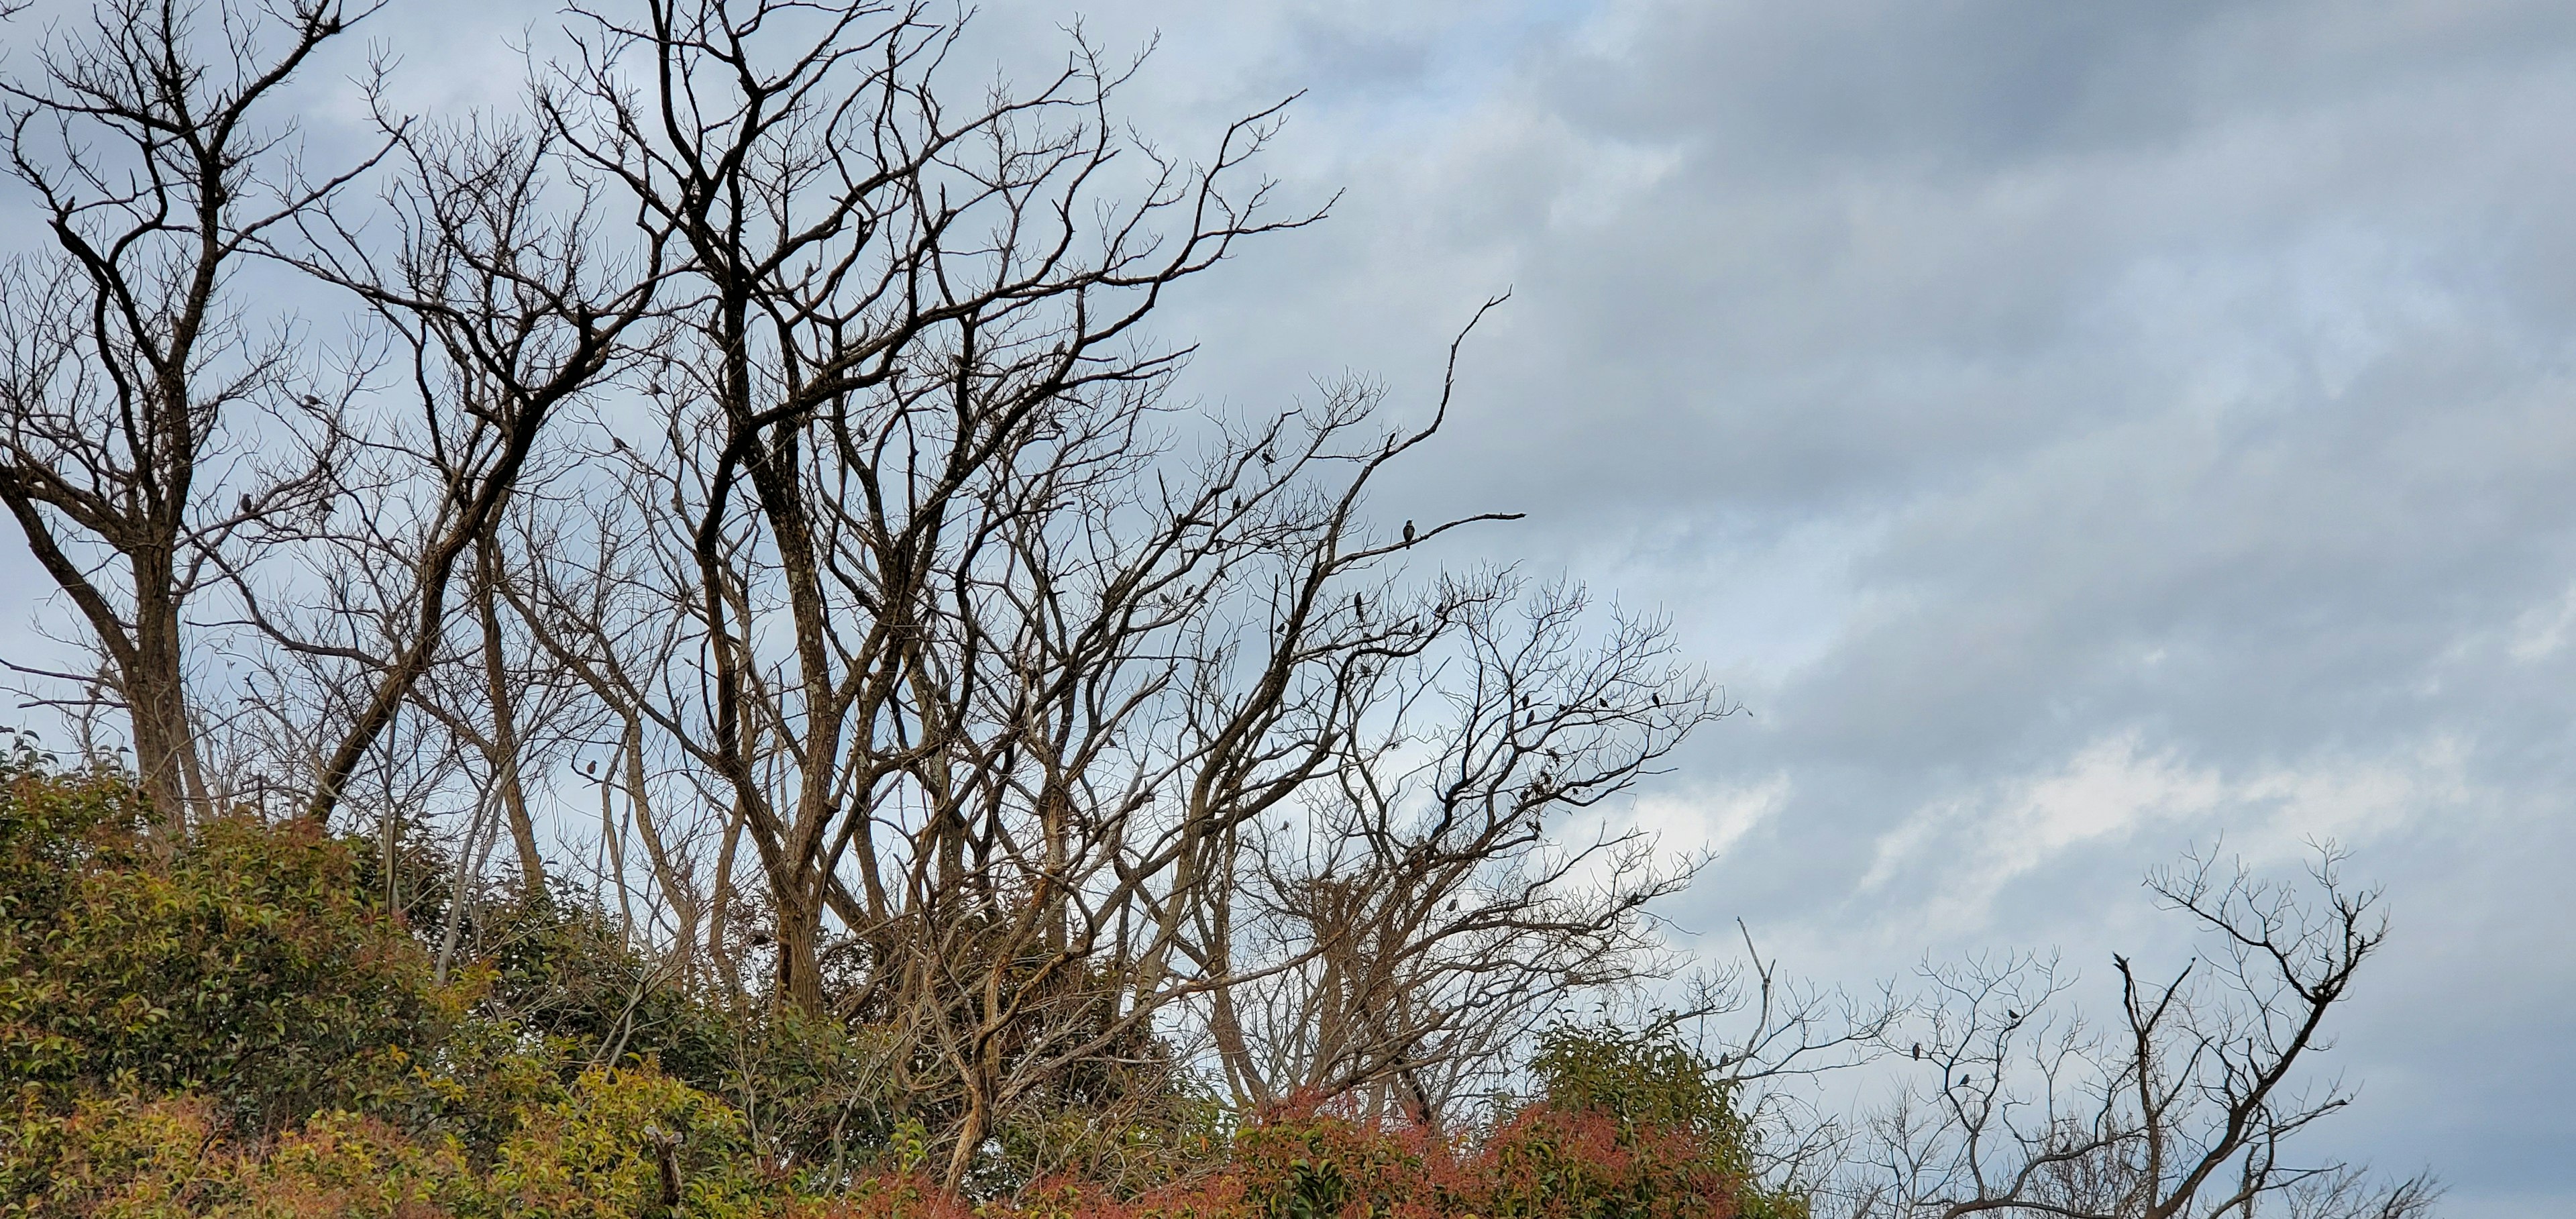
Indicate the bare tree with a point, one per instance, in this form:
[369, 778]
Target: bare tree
[505, 303]
[138, 386]
[1772, 1039]
[2191, 1106]
[911, 595]
[1405, 935]
[832, 498]
[157, 422]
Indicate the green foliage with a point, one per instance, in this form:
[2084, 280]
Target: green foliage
[813, 1091]
[106, 1156]
[1126, 1145]
[1639, 1080]
[631, 1142]
[1318, 1166]
[234, 1025]
[1650, 1083]
[561, 970]
[248, 963]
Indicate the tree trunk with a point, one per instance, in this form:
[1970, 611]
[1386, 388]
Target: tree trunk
[505, 731]
[800, 981]
[155, 690]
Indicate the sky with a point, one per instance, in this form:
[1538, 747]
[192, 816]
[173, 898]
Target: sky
[2077, 433]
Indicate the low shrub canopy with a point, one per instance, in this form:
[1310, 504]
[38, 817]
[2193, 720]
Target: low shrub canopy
[237, 1024]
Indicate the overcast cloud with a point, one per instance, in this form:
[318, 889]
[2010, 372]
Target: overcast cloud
[2077, 432]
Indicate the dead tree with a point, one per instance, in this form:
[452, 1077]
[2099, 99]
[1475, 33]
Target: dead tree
[902, 616]
[2194, 1104]
[892, 311]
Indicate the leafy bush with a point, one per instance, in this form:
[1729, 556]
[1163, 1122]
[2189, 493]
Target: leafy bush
[1667, 1106]
[248, 963]
[628, 1143]
[234, 1025]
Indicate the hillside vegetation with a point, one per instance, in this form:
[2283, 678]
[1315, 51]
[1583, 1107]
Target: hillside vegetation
[243, 1027]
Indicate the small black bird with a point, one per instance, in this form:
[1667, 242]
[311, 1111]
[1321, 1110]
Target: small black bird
[1918, 1051]
[1408, 533]
[2010, 1014]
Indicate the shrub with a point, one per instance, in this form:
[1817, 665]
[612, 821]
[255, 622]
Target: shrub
[109, 1156]
[1660, 1095]
[234, 1025]
[632, 1142]
[251, 964]
[346, 1164]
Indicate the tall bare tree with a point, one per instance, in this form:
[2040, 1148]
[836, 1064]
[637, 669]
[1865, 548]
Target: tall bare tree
[1428, 910]
[911, 593]
[166, 439]
[139, 386]
[504, 303]
[950, 679]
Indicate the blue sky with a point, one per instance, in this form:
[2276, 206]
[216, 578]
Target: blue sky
[2078, 433]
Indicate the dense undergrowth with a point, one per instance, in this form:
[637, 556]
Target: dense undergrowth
[240, 1024]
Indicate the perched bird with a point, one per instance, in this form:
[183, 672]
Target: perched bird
[1918, 1051]
[1408, 533]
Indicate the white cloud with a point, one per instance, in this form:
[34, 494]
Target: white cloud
[1945, 866]
[1710, 818]
[2541, 631]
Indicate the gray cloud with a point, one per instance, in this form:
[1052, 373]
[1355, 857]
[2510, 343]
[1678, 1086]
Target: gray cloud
[2081, 432]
